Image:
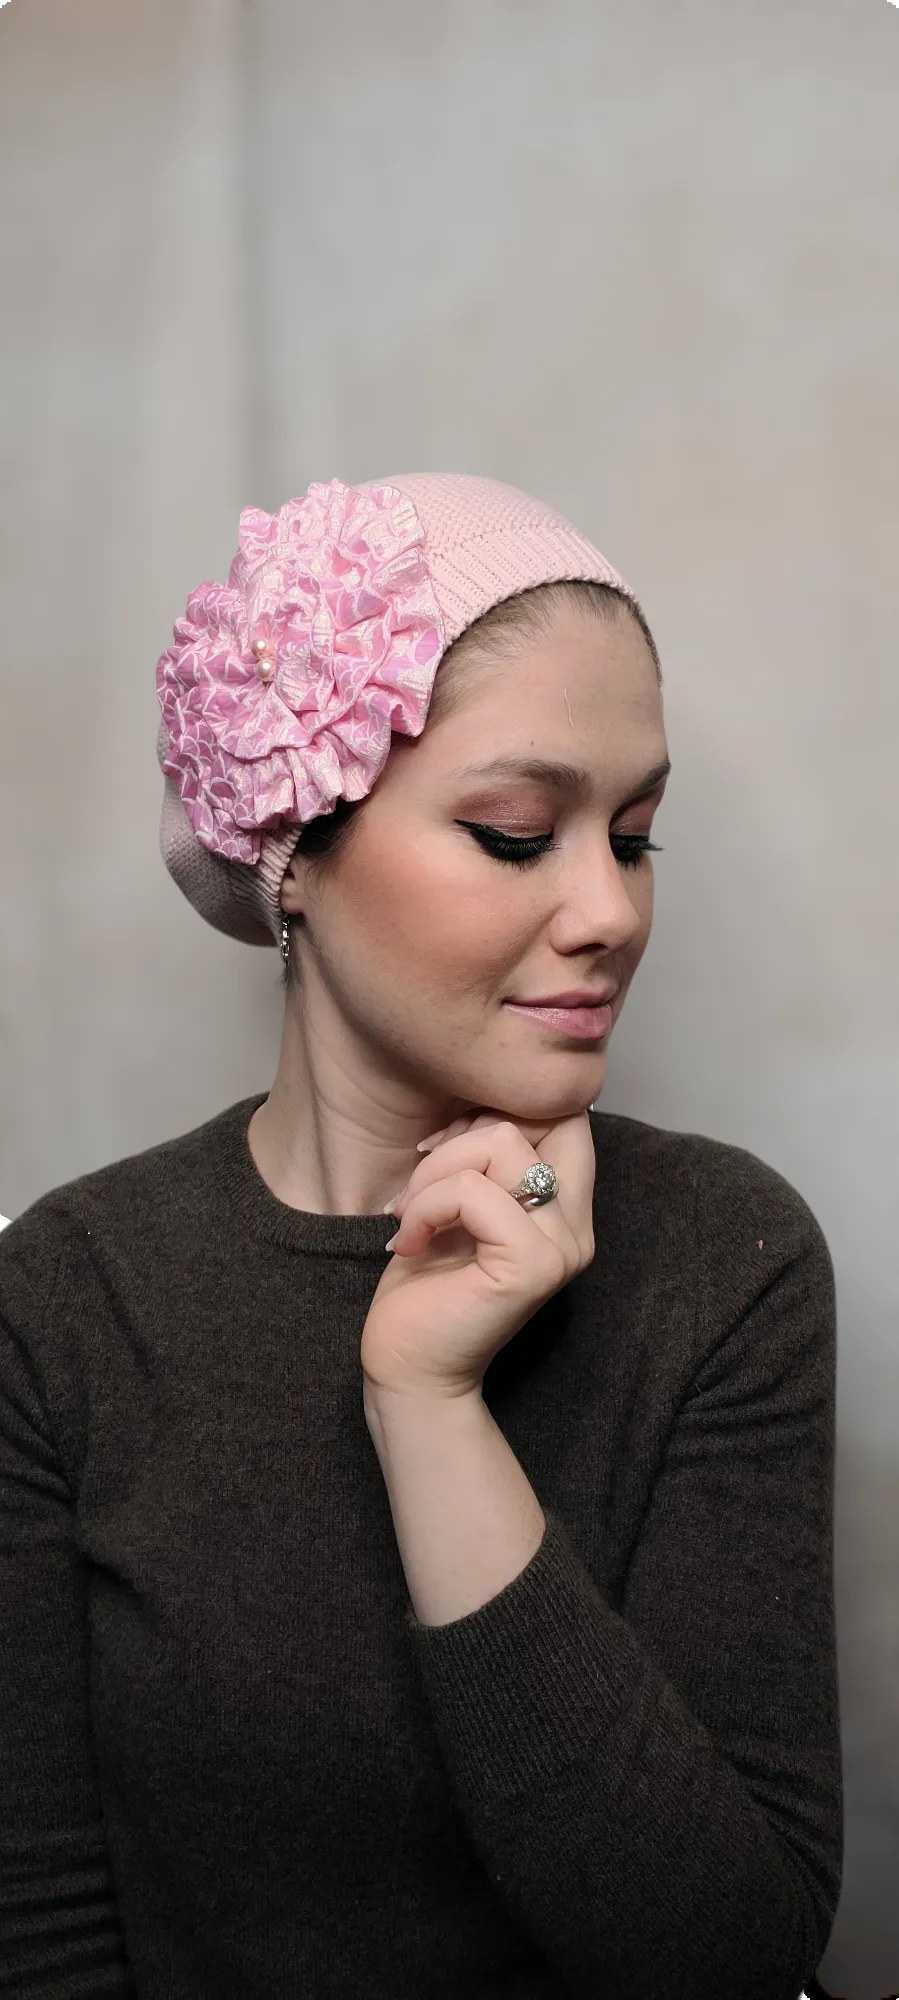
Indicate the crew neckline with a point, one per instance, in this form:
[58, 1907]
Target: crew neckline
[260, 1212]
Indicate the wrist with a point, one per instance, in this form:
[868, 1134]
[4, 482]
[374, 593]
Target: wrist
[388, 1402]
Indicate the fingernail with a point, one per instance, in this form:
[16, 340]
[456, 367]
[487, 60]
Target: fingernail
[390, 1205]
[393, 1240]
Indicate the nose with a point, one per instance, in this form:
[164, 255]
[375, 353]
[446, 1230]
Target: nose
[601, 897]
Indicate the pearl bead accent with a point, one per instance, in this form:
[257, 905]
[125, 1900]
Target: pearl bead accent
[265, 665]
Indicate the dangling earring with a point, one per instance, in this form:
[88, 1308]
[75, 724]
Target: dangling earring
[285, 939]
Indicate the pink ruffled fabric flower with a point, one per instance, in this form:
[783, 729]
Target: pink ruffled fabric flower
[281, 690]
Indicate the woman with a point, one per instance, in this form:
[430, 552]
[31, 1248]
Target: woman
[453, 1618]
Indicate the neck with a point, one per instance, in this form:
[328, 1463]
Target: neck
[336, 1136]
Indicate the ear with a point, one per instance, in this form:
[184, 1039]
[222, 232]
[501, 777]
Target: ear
[293, 886]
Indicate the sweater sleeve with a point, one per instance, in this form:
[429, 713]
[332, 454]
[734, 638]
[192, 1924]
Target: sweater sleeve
[656, 1794]
[60, 1934]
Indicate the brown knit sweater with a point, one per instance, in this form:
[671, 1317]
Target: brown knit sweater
[233, 1762]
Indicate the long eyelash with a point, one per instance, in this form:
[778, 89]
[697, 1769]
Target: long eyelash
[523, 853]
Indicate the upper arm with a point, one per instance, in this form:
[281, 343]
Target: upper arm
[60, 1932]
[731, 1581]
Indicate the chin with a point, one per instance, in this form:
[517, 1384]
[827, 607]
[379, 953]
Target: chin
[530, 1106]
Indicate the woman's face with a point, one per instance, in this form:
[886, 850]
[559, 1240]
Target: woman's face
[412, 947]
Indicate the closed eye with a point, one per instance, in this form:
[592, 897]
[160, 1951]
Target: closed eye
[628, 848]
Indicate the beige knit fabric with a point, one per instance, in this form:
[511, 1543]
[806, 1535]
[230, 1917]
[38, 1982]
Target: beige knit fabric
[485, 542]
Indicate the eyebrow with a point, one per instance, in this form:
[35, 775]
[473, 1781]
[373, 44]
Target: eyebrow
[561, 777]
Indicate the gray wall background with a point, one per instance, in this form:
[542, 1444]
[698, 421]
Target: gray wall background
[640, 259]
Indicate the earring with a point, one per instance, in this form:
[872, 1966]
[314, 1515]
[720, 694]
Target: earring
[285, 937]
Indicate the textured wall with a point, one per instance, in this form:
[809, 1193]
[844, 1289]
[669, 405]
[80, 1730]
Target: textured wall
[640, 259]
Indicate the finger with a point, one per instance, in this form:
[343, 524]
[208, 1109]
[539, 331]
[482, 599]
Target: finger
[466, 1121]
[567, 1146]
[534, 1130]
[572, 1151]
[450, 1131]
[473, 1121]
[497, 1149]
[505, 1231]
[498, 1155]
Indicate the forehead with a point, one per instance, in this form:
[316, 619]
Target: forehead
[584, 691]
[598, 654]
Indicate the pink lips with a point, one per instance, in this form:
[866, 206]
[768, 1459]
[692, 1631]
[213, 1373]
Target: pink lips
[585, 1024]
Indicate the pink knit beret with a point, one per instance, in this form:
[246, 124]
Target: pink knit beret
[281, 689]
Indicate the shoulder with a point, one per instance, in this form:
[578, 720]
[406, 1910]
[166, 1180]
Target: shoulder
[738, 1206]
[723, 1177]
[73, 1225]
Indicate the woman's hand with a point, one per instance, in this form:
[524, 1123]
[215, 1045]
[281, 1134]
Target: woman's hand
[470, 1265]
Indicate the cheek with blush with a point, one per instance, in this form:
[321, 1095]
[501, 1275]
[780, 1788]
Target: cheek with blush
[440, 913]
